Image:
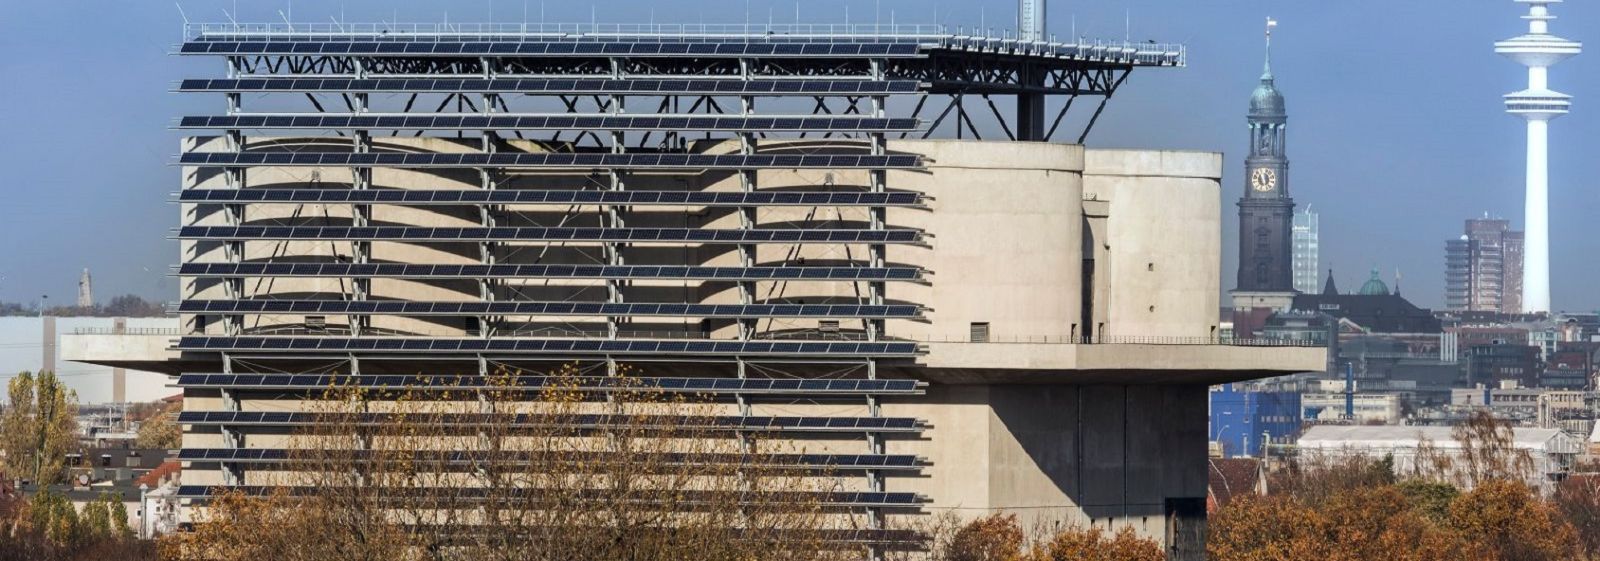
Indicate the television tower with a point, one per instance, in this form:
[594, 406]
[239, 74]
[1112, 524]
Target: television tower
[1031, 20]
[1538, 50]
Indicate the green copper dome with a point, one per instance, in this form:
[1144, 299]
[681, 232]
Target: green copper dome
[1374, 286]
[1267, 101]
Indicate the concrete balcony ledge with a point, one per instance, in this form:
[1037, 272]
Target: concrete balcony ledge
[1119, 363]
[148, 350]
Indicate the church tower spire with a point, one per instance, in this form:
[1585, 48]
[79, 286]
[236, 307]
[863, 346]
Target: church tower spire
[1266, 213]
[1266, 72]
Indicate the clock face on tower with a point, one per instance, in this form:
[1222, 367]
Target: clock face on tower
[1264, 179]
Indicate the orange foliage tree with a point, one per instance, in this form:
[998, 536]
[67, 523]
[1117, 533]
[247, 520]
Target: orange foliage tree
[1506, 521]
[1578, 499]
[999, 537]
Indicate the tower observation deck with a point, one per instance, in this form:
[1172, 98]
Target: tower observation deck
[1538, 104]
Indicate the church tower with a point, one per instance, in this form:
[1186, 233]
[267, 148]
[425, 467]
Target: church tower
[1266, 213]
[1265, 282]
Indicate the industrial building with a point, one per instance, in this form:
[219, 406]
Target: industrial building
[1246, 423]
[1551, 452]
[808, 222]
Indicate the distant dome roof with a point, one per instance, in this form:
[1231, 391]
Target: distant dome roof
[1374, 286]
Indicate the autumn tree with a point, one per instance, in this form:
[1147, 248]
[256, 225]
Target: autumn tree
[1507, 521]
[1353, 525]
[996, 537]
[1316, 479]
[1272, 528]
[1356, 509]
[1000, 537]
[1488, 452]
[161, 429]
[46, 527]
[1578, 499]
[1430, 499]
[570, 472]
[1095, 544]
[38, 427]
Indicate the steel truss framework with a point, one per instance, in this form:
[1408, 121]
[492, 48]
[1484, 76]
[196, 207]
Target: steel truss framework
[610, 104]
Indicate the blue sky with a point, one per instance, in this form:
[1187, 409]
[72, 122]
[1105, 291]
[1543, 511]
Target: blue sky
[1396, 131]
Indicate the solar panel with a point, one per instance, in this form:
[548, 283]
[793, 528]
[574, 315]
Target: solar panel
[397, 270]
[636, 235]
[595, 122]
[560, 346]
[552, 160]
[469, 494]
[276, 457]
[753, 386]
[554, 86]
[246, 419]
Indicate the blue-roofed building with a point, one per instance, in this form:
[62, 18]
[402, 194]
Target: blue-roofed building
[1241, 421]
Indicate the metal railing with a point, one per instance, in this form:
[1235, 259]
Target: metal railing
[563, 30]
[791, 335]
[162, 331]
[933, 35]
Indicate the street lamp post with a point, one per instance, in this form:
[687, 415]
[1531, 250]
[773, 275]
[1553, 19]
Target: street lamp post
[144, 512]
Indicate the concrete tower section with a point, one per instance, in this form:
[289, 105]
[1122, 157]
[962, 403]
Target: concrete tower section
[1538, 50]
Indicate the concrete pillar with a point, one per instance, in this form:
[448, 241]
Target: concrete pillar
[119, 376]
[49, 362]
[1030, 106]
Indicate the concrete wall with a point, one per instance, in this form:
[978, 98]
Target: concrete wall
[1111, 456]
[1164, 239]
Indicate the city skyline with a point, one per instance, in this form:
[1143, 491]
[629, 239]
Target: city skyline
[1392, 162]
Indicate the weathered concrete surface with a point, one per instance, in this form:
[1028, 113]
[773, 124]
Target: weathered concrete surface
[1111, 456]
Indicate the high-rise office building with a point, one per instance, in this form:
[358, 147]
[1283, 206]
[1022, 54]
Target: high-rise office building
[1306, 251]
[1483, 268]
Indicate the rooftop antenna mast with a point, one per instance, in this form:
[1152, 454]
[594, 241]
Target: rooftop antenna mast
[185, 17]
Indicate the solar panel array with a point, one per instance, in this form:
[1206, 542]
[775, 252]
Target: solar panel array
[555, 86]
[279, 456]
[424, 271]
[752, 386]
[529, 196]
[417, 308]
[732, 422]
[528, 233]
[552, 122]
[557, 347]
[523, 67]
[524, 47]
[469, 494]
[550, 160]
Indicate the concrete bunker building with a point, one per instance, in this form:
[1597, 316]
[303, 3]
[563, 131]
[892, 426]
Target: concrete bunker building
[806, 220]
